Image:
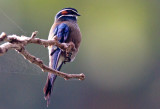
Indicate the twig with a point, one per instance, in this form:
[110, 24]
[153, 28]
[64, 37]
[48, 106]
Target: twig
[18, 43]
[6, 46]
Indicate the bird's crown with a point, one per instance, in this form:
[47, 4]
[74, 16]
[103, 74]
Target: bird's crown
[67, 12]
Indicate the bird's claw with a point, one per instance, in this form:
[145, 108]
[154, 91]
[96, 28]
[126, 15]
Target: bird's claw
[68, 57]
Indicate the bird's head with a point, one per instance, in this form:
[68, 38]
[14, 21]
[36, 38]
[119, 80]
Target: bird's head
[67, 14]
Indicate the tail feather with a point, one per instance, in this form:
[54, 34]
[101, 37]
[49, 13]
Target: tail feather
[49, 87]
[47, 91]
[56, 62]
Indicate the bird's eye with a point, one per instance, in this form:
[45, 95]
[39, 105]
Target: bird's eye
[64, 12]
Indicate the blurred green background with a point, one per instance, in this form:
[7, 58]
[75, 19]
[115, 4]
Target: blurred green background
[119, 54]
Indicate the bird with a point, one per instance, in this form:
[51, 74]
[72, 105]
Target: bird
[65, 29]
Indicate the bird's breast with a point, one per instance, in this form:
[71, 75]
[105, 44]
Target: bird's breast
[74, 34]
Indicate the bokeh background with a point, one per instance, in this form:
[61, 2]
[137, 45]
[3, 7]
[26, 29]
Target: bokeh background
[119, 54]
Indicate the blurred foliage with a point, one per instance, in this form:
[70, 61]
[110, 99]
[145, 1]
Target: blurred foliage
[119, 54]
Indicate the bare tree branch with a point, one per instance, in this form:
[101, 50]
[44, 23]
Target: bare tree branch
[18, 43]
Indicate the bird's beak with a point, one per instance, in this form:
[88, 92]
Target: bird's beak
[78, 14]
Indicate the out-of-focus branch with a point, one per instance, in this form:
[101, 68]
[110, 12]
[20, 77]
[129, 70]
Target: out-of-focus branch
[18, 43]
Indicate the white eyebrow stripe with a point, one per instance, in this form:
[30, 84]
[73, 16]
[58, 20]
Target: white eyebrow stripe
[66, 15]
[65, 10]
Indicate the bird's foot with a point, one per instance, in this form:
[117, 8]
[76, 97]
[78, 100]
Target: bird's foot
[68, 57]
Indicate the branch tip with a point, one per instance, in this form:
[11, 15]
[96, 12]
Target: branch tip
[82, 76]
[34, 34]
[3, 33]
[3, 36]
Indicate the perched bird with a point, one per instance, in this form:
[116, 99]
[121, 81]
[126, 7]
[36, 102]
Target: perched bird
[66, 30]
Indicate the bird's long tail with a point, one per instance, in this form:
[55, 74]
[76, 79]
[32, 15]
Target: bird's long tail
[56, 63]
[49, 86]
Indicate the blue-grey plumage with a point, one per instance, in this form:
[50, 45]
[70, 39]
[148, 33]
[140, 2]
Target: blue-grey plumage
[66, 30]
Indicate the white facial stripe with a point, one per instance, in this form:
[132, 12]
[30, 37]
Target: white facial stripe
[65, 10]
